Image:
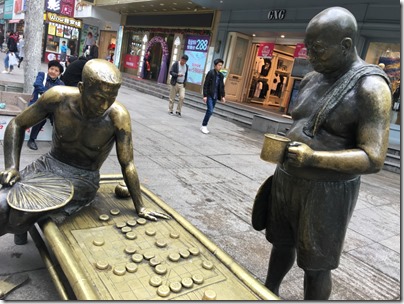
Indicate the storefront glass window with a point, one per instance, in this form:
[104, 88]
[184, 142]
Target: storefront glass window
[133, 53]
[387, 55]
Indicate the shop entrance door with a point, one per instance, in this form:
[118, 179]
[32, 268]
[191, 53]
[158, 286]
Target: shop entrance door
[236, 52]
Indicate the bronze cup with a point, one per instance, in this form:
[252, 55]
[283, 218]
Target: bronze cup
[274, 147]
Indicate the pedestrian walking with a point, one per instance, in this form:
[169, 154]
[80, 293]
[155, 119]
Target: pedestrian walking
[213, 90]
[11, 53]
[21, 49]
[179, 75]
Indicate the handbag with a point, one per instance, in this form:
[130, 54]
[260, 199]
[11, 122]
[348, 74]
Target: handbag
[12, 59]
[262, 204]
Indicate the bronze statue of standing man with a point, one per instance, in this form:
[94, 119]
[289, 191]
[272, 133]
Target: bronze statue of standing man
[340, 131]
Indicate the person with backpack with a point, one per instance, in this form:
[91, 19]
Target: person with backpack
[12, 53]
[43, 82]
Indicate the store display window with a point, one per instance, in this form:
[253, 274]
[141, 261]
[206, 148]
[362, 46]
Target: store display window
[387, 56]
[61, 29]
[133, 53]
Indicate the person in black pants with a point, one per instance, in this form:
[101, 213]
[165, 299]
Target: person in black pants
[213, 90]
[43, 82]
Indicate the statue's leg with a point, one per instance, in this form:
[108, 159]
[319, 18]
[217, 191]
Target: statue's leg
[4, 212]
[280, 262]
[317, 284]
[20, 222]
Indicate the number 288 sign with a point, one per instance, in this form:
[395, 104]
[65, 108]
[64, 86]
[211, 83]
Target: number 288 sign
[197, 43]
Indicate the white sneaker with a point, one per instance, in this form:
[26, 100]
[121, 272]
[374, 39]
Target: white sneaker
[204, 130]
[5, 72]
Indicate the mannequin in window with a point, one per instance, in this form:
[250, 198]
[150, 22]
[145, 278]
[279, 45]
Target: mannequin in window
[265, 68]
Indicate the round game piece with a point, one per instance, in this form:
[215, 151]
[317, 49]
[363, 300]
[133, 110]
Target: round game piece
[197, 278]
[119, 270]
[160, 269]
[115, 211]
[155, 281]
[121, 190]
[161, 243]
[150, 231]
[131, 223]
[175, 286]
[187, 282]
[120, 225]
[174, 257]
[131, 267]
[184, 253]
[102, 265]
[103, 217]
[207, 265]
[194, 250]
[126, 229]
[131, 235]
[209, 295]
[148, 255]
[98, 242]
[155, 261]
[174, 235]
[130, 249]
[141, 221]
[163, 291]
[137, 258]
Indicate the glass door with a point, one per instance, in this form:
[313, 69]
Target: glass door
[236, 52]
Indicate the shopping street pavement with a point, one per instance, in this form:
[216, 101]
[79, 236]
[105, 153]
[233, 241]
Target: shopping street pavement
[211, 180]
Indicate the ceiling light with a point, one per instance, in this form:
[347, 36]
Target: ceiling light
[162, 4]
[282, 36]
[253, 35]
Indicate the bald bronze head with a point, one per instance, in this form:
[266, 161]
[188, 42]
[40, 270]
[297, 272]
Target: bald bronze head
[330, 37]
[101, 71]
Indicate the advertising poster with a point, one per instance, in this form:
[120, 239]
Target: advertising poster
[51, 29]
[265, 50]
[196, 47]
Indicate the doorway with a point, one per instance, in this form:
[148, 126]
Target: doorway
[107, 38]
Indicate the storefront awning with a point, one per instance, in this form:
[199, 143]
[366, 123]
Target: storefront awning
[14, 20]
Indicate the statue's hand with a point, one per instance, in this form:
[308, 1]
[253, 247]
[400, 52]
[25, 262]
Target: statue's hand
[152, 215]
[9, 177]
[299, 154]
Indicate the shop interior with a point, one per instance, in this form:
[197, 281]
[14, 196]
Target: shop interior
[271, 78]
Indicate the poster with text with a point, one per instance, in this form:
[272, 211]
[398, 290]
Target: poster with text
[196, 47]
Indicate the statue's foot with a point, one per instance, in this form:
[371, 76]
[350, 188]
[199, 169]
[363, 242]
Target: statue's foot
[21, 238]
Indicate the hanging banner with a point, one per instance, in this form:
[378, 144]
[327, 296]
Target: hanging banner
[300, 51]
[265, 50]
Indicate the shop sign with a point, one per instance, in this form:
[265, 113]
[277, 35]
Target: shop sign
[131, 61]
[63, 7]
[63, 20]
[265, 50]
[277, 14]
[8, 9]
[300, 51]
[196, 47]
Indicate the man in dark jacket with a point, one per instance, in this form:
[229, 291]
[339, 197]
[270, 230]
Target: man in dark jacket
[43, 82]
[12, 51]
[213, 90]
[179, 74]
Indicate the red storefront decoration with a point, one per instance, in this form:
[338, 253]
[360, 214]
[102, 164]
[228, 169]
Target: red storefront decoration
[131, 61]
[300, 51]
[265, 50]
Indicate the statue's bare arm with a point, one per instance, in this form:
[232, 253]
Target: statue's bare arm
[124, 148]
[374, 100]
